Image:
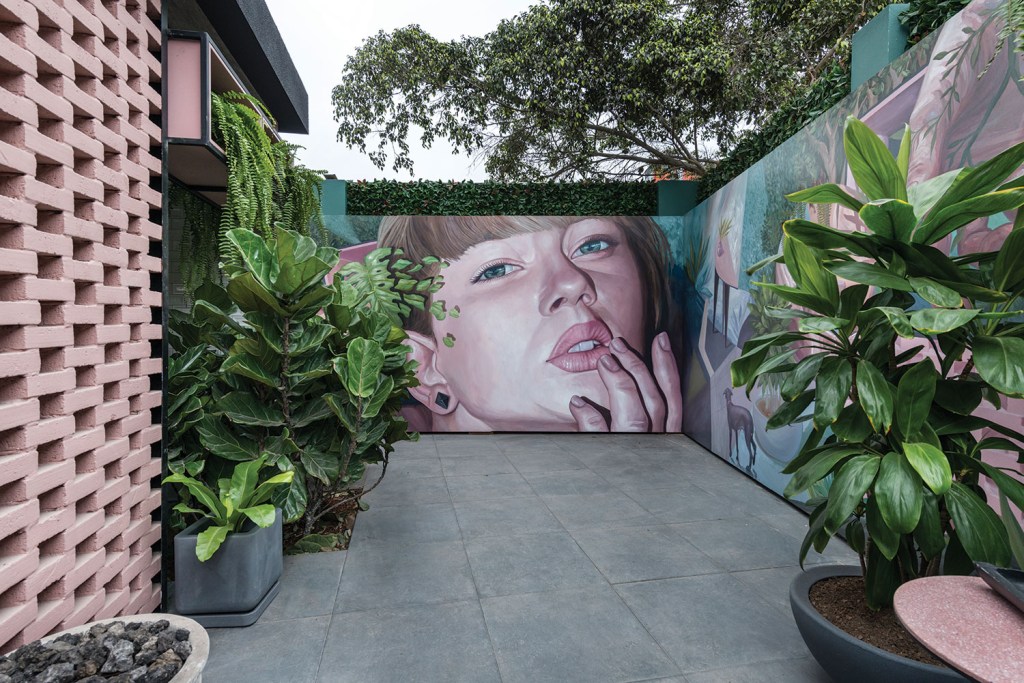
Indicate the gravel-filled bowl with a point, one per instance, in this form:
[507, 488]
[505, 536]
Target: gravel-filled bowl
[142, 648]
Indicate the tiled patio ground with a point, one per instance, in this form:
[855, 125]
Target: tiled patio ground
[543, 558]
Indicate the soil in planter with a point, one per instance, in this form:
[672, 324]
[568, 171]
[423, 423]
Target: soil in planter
[115, 652]
[841, 601]
[332, 532]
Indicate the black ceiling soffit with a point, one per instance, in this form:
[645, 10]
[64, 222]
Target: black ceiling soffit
[250, 34]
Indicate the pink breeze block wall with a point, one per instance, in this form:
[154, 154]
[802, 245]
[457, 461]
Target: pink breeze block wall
[79, 351]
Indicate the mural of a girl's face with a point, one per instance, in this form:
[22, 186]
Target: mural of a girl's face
[538, 310]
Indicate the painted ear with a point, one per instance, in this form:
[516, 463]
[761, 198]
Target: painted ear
[433, 391]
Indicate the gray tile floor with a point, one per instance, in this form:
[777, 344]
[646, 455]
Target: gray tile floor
[543, 558]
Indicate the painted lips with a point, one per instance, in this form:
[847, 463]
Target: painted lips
[582, 345]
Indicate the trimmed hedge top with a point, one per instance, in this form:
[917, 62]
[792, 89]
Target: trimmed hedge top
[467, 198]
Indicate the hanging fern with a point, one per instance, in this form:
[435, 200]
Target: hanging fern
[197, 256]
[298, 194]
[265, 185]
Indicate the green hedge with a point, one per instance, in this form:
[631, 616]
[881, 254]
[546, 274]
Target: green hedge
[452, 198]
[921, 18]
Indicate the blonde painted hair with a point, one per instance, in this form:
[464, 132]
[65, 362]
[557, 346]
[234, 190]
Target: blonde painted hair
[448, 238]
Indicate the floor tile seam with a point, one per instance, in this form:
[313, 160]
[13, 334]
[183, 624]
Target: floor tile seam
[668, 656]
[548, 509]
[323, 646]
[669, 578]
[407, 606]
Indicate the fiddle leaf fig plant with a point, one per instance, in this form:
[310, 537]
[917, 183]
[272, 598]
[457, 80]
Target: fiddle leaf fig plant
[239, 498]
[902, 355]
[308, 374]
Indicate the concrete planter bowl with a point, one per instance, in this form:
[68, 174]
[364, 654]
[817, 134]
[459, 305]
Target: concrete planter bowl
[236, 585]
[192, 670]
[845, 658]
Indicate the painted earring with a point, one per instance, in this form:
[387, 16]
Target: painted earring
[442, 400]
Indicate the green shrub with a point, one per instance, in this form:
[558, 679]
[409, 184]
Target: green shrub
[440, 198]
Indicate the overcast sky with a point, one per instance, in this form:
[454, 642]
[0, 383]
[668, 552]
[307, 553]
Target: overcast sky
[321, 34]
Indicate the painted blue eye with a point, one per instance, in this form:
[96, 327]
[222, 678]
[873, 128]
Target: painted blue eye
[494, 272]
[592, 247]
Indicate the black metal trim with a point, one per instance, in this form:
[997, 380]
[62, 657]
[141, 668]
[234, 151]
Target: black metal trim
[166, 541]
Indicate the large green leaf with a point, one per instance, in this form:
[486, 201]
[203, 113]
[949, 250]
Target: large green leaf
[243, 482]
[848, 489]
[875, 396]
[322, 466]
[898, 493]
[936, 294]
[249, 295]
[941, 320]
[871, 163]
[256, 255]
[852, 425]
[1015, 535]
[1009, 268]
[914, 397]
[890, 218]
[898, 320]
[797, 380]
[988, 176]
[903, 156]
[925, 194]
[207, 312]
[881, 580]
[887, 540]
[791, 410]
[804, 264]
[261, 515]
[1012, 487]
[828, 193]
[372, 406]
[246, 365]
[869, 274]
[364, 361]
[299, 265]
[202, 493]
[977, 526]
[818, 324]
[801, 298]
[823, 237]
[292, 498]
[832, 388]
[225, 443]
[266, 489]
[928, 534]
[209, 540]
[948, 219]
[931, 463]
[1000, 362]
[817, 468]
[246, 409]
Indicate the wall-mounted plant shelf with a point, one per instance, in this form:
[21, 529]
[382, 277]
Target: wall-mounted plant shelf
[195, 69]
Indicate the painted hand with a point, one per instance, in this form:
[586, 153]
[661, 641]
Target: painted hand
[639, 401]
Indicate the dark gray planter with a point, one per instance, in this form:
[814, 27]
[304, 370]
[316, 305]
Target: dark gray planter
[236, 585]
[845, 658]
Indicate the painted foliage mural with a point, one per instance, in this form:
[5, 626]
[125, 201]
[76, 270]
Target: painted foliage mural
[961, 93]
[552, 323]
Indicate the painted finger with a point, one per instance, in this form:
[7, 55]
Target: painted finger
[588, 418]
[624, 402]
[645, 382]
[667, 373]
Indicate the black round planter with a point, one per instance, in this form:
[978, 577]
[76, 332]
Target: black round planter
[845, 658]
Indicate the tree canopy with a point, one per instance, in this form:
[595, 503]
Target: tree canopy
[575, 89]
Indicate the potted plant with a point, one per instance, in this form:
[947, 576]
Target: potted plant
[227, 565]
[901, 359]
[308, 374]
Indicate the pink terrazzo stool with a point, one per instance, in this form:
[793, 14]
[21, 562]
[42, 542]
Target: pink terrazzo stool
[965, 623]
